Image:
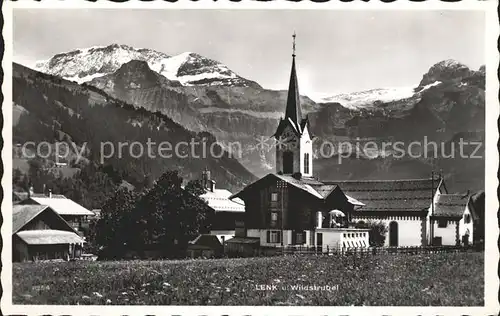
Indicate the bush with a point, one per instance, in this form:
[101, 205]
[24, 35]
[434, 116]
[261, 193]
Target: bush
[378, 231]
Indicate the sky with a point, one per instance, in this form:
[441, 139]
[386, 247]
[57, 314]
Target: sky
[337, 51]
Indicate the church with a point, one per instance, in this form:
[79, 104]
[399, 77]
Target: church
[291, 208]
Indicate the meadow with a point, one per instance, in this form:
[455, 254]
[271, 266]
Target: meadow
[440, 279]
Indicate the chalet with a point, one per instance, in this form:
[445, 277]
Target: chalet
[452, 220]
[39, 233]
[228, 213]
[72, 212]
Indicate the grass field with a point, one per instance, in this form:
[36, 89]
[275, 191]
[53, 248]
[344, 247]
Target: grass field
[428, 279]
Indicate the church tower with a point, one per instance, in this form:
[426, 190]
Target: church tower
[293, 139]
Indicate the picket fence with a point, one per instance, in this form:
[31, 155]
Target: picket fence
[370, 251]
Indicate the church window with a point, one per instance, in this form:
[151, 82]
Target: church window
[306, 163]
[467, 219]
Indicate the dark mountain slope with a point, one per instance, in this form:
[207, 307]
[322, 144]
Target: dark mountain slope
[60, 110]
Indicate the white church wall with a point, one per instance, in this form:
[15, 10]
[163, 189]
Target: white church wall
[429, 213]
[448, 234]
[411, 229]
[464, 227]
[306, 147]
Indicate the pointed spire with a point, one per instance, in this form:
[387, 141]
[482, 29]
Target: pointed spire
[293, 110]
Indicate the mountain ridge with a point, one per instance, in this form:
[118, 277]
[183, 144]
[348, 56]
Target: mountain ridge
[448, 100]
[83, 65]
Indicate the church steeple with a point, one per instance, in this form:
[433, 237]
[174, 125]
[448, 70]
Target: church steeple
[293, 111]
[294, 148]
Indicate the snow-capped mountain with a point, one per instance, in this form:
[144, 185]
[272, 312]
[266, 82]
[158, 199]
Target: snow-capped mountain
[83, 65]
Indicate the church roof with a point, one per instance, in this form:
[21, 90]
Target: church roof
[391, 195]
[293, 110]
[451, 205]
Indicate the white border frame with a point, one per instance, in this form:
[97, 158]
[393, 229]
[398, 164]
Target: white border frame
[491, 182]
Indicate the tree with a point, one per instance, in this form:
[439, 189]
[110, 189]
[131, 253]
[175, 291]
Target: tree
[195, 187]
[163, 217]
[115, 228]
[172, 216]
[377, 233]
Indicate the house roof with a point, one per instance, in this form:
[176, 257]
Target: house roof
[391, 195]
[23, 214]
[311, 186]
[206, 241]
[451, 205]
[243, 240]
[49, 237]
[19, 196]
[220, 202]
[62, 205]
[306, 184]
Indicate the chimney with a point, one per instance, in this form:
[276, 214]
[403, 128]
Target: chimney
[50, 193]
[30, 191]
[205, 179]
[211, 185]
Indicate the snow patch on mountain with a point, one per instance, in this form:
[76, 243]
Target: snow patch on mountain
[83, 65]
[370, 98]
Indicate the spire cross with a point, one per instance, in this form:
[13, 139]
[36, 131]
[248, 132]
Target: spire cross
[294, 36]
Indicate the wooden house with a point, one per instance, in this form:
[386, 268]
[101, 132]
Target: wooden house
[39, 233]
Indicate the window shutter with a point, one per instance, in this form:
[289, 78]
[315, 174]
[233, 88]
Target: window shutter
[294, 237]
[268, 236]
[280, 235]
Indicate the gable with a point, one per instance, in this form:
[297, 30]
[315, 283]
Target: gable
[451, 205]
[37, 217]
[305, 185]
[286, 124]
[306, 131]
